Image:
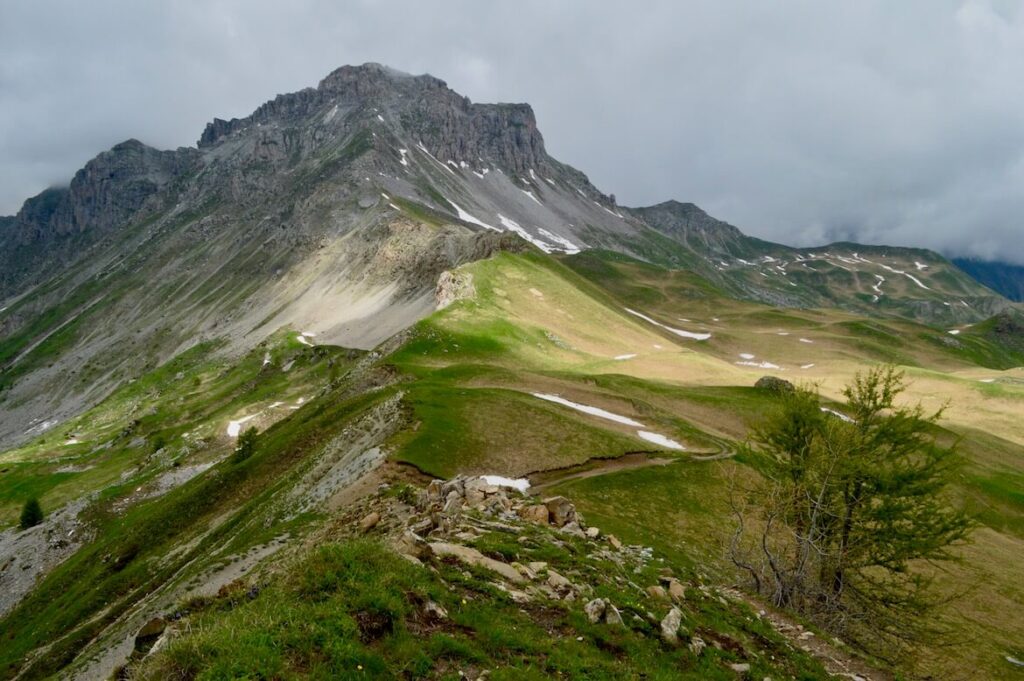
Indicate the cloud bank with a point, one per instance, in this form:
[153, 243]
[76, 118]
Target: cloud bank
[798, 121]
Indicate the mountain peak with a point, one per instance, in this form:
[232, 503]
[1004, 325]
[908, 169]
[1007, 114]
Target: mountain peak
[345, 78]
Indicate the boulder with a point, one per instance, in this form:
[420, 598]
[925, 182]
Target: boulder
[152, 628]
[658, 593]
[595, 610]
[369, 521]
[670, 626]
[150, 634]
[676, 590]
[574, 529]
[411, 544]
[560, 510]
[740, 667]
[421, 526]
[613, 617]
[560, 584]
[775, 385]
[534, 513]
[592, 533]
[452, 504]
[471, 556]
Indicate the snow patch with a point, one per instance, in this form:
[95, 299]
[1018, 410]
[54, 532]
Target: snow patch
[678, 332]
[235, 427]
[746, 355]
[593, 411]
[521, 484]
[466, 217]
[806, 366]
[806, 340]
[419, 145]
[530, 194]
[906, 274]
[954, 332]
[622, 357]
[379, 117]
[659, 439]
[569, 247]
[403, 160]
[759, 365]
[514, 226]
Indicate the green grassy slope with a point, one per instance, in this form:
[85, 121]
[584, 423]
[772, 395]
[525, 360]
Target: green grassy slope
[465, 377]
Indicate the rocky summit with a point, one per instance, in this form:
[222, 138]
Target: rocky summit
[367, 384]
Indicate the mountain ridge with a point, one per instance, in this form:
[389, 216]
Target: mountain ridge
[334, 210]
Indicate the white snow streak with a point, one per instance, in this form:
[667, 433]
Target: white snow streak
[466, 217]
[569, 247]
[593, 411]
[235, 427]
[759, 365]
[678, 332]
[530, 194]
[659, 440]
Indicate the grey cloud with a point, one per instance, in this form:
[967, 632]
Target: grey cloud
[799, 121]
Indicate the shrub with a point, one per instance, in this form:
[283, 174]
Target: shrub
[246, 445]
[31, 514]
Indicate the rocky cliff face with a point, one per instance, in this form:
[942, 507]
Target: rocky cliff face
[450, 126]
[112, 190]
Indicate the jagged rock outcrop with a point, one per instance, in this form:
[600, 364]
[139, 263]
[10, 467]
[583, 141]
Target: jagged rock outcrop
[113, 189]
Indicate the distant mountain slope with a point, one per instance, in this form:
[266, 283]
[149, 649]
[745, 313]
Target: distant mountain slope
[1003, 277]
[877, 280]
[334, 210]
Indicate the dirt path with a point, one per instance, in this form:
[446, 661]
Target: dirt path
[592, 468]
[595, 467]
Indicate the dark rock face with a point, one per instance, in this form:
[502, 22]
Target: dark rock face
[448, 124]
[107, 193]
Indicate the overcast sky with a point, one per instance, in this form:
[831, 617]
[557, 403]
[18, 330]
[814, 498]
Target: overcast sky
[802, 122]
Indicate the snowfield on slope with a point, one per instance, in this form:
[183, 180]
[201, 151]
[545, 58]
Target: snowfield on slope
[593, 411]
[678, 332]
[656, 438]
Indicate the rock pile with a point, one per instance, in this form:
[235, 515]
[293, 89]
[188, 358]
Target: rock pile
[446, 515]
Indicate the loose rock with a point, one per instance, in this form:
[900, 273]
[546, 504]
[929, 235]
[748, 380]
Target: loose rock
[670, 626]
[369, 522]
